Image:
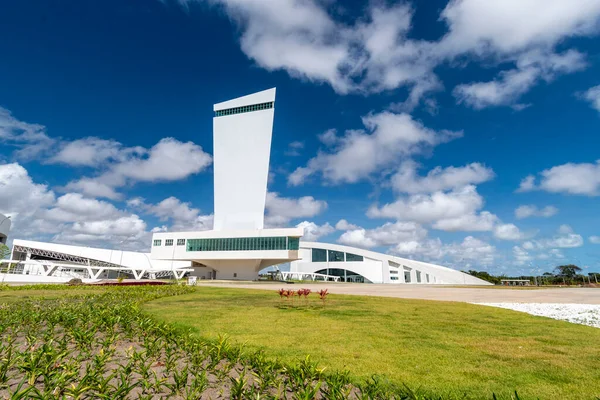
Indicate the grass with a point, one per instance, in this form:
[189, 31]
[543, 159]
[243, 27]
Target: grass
[440, 347]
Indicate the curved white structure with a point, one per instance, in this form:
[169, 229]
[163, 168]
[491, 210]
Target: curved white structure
[357, 265]
[49, 262]
[4, 228]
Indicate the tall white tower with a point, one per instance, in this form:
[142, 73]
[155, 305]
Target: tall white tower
[242, 130]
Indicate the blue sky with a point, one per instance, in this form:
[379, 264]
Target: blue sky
[464, 133]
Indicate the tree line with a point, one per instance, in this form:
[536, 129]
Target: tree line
[562, 275]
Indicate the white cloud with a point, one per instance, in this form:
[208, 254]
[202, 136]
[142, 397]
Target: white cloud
[343, 225]
[527, 184]
[294, 148]
[471, 251]
[512, 84]
[182, 215]
[38, 215]
[168, 160]
[30, 140]
[593, 96]
[312, 231]
[376, 52]
[281, 210]
[428, 208]
[508, 232]
[566, 238]
[484, 221]
[92, 152]
[439, 179]
[594, 239]
[387, 139]
[571, 178]
[388, 234]
[526, 211]
[521, 256]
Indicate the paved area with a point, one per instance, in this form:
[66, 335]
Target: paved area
[430, 292]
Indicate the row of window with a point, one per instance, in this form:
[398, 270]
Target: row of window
[322, 255]
[244, 244]
[169, 242]
[407, 276]
[244, 109]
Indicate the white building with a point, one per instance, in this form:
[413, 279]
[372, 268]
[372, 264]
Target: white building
[350, 264]
[238, 246]
[4, 228]
[41, 262]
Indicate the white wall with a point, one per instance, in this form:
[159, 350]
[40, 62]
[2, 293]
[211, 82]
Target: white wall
[242, 148]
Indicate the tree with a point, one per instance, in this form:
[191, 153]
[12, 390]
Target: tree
[569, 271]
[4, 251]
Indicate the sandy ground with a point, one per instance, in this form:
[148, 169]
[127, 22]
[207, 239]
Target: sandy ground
[430, 292]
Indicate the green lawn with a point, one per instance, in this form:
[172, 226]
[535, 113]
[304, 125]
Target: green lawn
[441, 347]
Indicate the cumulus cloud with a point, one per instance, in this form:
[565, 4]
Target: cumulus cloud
[92, 152]
[181, 215]
[565, 238]
[526, 211]
[37, 214]
[592, 95]
[406, 179]
[570, 178]
[294, 148]
[386, 235]
[168, 160]
[471, 251]
[359, 153]
[508, 232]
[377, 51]
[343, 225]
[312, 231]
[281, 210]
[428, 208]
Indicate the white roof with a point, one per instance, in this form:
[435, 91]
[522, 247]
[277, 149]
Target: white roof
[4, 225]
[266, 96]
[127, 259]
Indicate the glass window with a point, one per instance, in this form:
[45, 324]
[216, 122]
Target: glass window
[393, 272]
[157, 242]
[353, 257]
[418, 276]
[168, 242]
[180, 242]
[319, 255]
[427, 277]
[336, 256]
[293, 243]
[407, 276]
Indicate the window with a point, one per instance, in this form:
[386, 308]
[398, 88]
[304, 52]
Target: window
[168, 242]
[393, 264]
[427, 277]
[319, 255]
[393, 272]
[407, 276]
[353, 257]
[336, 256]
[157, 242]
[393, 278]
[244, 109]
[235, 274]
[418, 276]
[241, 244]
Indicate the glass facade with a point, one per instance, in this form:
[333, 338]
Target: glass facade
[243, 244]
[336, 256]
[319, 255]
[168, 242]
[244, 109]
[157, 242]
[345, 275]
[180, 242]
[353, 257]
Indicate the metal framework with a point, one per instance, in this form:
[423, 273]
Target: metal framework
[64, 257]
